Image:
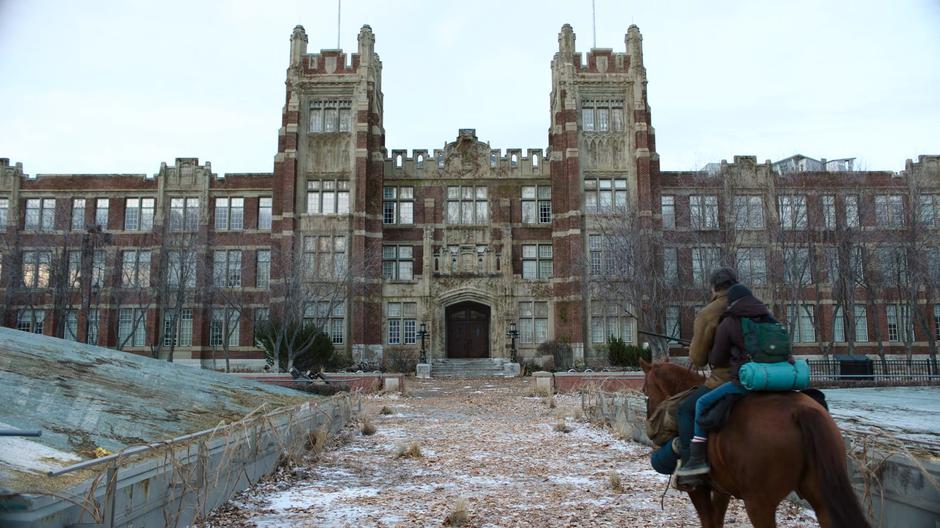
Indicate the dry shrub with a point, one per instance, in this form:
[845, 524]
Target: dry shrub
[459, 515]
[412, 450]
[562, 427]
[316, 440]
[367, 428]
[613, 478]
[550, 400]
[386, 410]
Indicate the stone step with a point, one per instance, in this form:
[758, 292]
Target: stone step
[468, 368]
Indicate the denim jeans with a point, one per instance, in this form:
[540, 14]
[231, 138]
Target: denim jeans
[706, 401]
[686, 419]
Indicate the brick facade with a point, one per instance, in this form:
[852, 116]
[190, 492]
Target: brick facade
[414, 233]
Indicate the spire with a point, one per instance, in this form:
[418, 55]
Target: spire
[298, 45]
[566, 42]
[634, 41]
[366, 43]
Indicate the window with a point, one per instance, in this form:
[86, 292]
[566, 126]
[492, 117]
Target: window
[262, 316]
[533, 322]
[40, 214]
[184, 214]
[936, 320]
[102, 205]
[603, 196]
[609, 320]
[224, 327]
[889, 210]
[263, 268]
[132, 327]
[135, 269]
[401, 323]
[138, 214]
[748, 213]
[792, 209]
[181, 269]
[36, 268]
[602, 115]
[329, 317]
[97, 269]
[596, 254]
[4, 212]
[796, 263]
[78, 214]
[398, 205]
[801, 323]
[325, 257]
[829, 211]
[537, 261]
[31, 321]
[91, 327]
[75, 268]
[928, 214]
[330, 116]
[752, 265]
[673, 325]
[536, 205]
[668, 206]
[851, 211]
[703, 212]
[227, 268]
[671, 265]
[178, 330]
[892, 262]
[327, 197]
[398, 263]
[265, 214]
[839, 327]
[229, 214]
[71, 326]
[900, 324]
[704, 260]
[467, 205]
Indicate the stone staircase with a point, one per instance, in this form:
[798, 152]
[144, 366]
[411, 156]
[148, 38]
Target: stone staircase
[468, 368]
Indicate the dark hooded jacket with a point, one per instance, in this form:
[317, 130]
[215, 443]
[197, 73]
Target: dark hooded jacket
[728, 349]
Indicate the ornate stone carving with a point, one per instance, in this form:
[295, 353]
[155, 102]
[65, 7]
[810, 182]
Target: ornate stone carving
[467, 157]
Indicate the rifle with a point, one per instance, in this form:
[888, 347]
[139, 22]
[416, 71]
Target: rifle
[682, 342]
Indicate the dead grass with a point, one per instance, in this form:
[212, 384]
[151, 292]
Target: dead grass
[412, 450]
[561, 426]
[316, 440]
[459, 515]
[386, 410]
[550, 400]
[613, 478]
[367, 428]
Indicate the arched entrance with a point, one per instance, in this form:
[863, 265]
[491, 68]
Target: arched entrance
[468, 330]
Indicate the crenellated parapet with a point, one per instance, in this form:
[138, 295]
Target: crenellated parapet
[467, 158]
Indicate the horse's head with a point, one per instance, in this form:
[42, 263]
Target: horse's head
[664, 379]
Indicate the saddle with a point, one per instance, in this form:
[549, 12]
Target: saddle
[716, 416]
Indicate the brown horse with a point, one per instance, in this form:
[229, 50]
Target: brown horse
[773, 443]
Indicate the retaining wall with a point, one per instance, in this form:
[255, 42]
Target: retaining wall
[603, 381]
[173, 485]
[363, 382]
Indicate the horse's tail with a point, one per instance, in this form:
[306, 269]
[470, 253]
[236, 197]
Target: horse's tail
[822, 444]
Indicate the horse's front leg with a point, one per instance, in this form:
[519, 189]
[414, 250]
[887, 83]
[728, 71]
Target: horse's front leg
[702, 500]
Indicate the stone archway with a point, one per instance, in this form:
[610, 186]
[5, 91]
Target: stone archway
[468, 330]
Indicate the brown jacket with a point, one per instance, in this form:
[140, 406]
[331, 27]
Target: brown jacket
[703, 337]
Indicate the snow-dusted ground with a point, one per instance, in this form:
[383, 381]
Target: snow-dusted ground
[489, 442]
[907, 413]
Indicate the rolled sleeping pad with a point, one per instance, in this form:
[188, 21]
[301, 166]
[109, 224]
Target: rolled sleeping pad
[664, 459]
[782, 376]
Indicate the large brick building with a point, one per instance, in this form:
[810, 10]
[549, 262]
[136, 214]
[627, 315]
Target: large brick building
[466, 239]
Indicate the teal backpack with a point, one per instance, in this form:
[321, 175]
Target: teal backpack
[765, 340]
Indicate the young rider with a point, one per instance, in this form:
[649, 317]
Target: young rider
[728, 352]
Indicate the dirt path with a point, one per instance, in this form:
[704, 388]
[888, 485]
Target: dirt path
[488, 442]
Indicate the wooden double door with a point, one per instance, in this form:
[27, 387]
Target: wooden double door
[468, 330]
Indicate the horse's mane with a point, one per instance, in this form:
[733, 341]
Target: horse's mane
[676, 377]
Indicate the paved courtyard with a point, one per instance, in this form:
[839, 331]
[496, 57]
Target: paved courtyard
[489, 444]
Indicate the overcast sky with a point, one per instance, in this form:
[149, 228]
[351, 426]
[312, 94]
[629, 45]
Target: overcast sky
[119, 86]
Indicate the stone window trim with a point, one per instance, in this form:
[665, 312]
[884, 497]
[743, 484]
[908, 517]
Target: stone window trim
[324, 257]
[601, 257]
[138, 213]
[330, 116]
[537, 204]
[605, 195]
[533, 322]
[402, 317]
[398, 205]
[537, 261]
[467, 205]
[184, 214]
[229, 213]
[327, 197]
